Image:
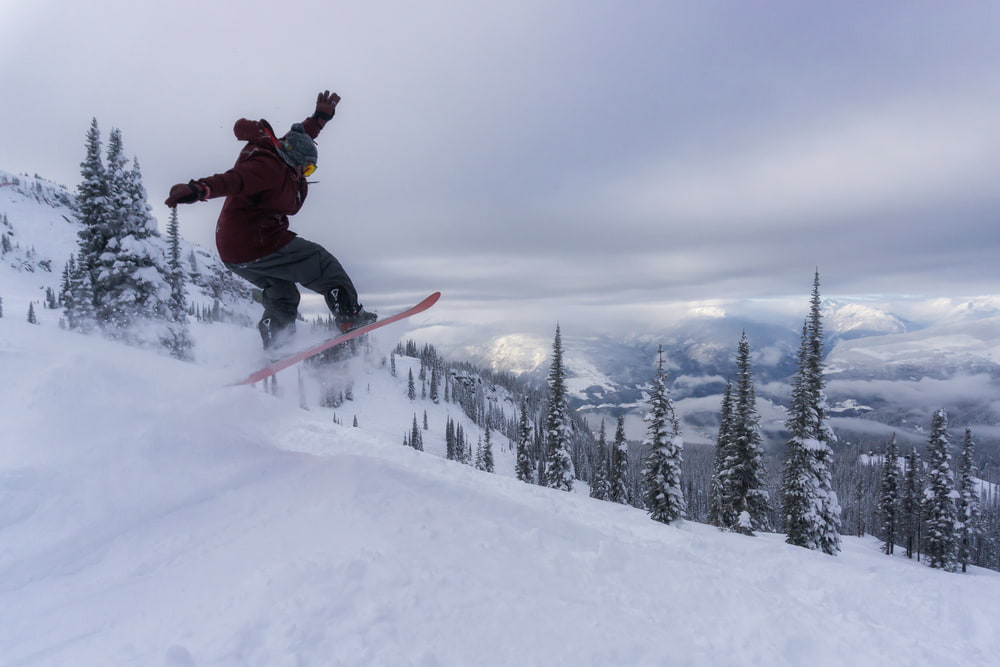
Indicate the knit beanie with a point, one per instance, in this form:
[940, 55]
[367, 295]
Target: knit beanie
[297, 148]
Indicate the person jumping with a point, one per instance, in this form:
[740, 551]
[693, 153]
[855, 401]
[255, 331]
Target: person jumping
[265, 186]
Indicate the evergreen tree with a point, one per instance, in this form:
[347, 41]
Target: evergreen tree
[92, 205]
[600, 486]
[662, 490]
[120, 247]
[1, 306]
[969, 511]
[435, 383]
[484, 454]
[744, 465]
[911, 503]
[411, 387]
[180, 343]
[449, 440]
[31, 313]
[132, 290]
[619, 483]
[939, 497]
[416, 439]
[810, 507]
[889, 497]
[81, 313]
[559, 465]
[525, 465]
[720, 505]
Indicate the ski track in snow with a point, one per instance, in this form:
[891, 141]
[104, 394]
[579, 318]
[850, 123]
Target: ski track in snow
[150, 517]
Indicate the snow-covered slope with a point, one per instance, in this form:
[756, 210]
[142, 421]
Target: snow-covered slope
[149, 516]
[38, 234]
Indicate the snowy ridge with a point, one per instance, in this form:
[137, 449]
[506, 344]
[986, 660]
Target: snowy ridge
[150, 517]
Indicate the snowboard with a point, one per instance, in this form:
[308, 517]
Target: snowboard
[293, 359]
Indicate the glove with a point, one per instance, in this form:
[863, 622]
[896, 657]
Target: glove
[187, 193]
[326, 105]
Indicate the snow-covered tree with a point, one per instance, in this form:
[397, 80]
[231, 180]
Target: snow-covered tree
[525, 465]
[559, 464]
[484, 452]
[720, 506]
[911, 502]
[121, 249]
[889, 497]
[744, 464]
[416, 439]
[969, 511]
[619, 484]
[661, 475]
[810, 508]
[92, 205]
[600, 486]
[31, 313]
[179, 343]
[939, 497]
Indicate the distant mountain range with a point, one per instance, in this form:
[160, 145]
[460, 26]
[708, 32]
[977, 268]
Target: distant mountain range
[886, 374]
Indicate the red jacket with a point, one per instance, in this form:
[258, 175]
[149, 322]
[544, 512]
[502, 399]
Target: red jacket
[261, 191]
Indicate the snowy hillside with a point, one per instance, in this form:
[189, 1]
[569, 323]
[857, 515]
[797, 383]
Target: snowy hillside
[150, 516]
[38, 235]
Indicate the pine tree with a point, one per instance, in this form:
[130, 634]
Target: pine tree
[81, 313]
[31, 313]
[525, 466]
[911, 502]
[744, 466]
[969, 511]
[809, 503]
[662, 490]
[559, 465]
[1, 306]
[939, 497]
[720, 505]
[484, 453]
[416, 439]
[435, 383]
[132, 290]
[449, 440]
[92, 205]
[179, 343]
[411, 387]
[600, 486]
[618, 469]
[120, 248]
[889, 497]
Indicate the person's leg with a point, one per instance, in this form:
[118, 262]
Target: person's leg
[312, 266]
[281, 304]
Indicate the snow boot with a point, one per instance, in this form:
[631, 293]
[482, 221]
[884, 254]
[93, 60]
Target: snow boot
[359, 317]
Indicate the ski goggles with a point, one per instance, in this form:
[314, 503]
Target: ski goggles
[309, 169]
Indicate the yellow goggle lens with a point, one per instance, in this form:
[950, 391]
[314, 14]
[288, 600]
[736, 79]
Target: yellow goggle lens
[309, 170]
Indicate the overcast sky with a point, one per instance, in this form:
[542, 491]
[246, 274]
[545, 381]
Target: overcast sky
[541, 160]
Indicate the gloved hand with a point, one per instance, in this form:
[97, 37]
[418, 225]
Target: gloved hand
[326, 105]
[186, 193]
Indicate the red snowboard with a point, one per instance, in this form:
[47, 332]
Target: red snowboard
[336, 340]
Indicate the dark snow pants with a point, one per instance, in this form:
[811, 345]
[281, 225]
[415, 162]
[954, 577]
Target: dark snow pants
[306, 263]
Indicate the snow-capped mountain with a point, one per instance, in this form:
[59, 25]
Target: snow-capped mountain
[887, 373]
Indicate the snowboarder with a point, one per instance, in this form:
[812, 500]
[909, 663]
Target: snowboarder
[265, 186]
